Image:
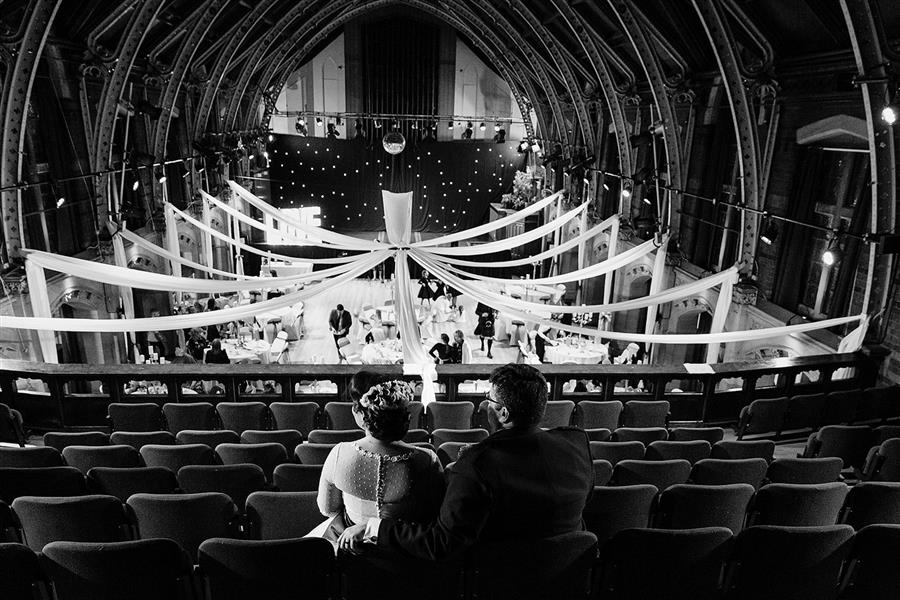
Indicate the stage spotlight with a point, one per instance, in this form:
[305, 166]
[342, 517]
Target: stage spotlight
[829, 257]
[500, 136]
[160, 175]
[889, 114]
[626, 193]
[523, 146]
[377, 124]
[450, 125]
[415, 125]
[467, 134]
[481, 127]
[333, 133]
[271, 138]
[496, 127]
[318, 121]
[135, 185]
[338, 121]
[770, 233]
[360, 132]
[300, 126]
[60, 201]
[535, 147]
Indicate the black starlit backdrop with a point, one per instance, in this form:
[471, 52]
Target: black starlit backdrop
[452, 182]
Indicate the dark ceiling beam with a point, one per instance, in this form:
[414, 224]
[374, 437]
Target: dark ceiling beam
[767, 53]
[118, 12]
[610, 55]
[666, 46]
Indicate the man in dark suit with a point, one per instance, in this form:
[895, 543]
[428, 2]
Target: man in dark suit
[339, 322]
[521, 483]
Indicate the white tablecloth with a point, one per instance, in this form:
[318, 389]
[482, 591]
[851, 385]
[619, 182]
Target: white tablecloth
[247, 351]
[387, 352]
[561, 353]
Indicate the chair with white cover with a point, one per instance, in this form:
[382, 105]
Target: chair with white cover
[279, 347]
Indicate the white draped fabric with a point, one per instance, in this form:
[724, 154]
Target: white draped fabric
[720, 316]
[40, 307]
[124, 290]
[397, 217]
[172, 239]
[162, 252]
[656, 283]
[611, 252]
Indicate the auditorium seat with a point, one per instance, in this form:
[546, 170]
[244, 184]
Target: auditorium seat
[667, 450]
[883, 433]
[645, 413]
[664, 563]
[334, 436]
[21, 572]
[804, 470]
[715, 471]
[186, 518]
[687, 506]
[426, 445]
[471, 436]
[60, 439]
[762, 416]
[241, 416]
[557, 414]
[235, 481]
[602, 471]
[659, 473]
[871, 503]
[85, 518]
[175, 457]
[84, 458]
[40, 481]
[449, 415]
[123, 482]
[688, 434]
[208, 438]
[885, 463]
[11, 427]
[841, 407]
[878, 404]
[847, 442]
[798, 505]
[788, 563]
[288, 438]
[449, 452]
[598, 434]
[189, 415]
[266, 456]
[616, 451]
[270, 569]
[416, 410]
[136, 570]
[340, 415]
[873, 572]
[612, 509]
[416, 435]
[312, 454]
[593, 414]
[9, 529]
[139, 416]
[282, 515]
[737, 449]
[297, 478]
[295, 415]
[804, 411]
[139, 439]
[645, 435]
[30, 457]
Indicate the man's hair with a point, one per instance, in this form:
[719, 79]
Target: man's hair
[340, 307]
[523, 390]
[445, 338]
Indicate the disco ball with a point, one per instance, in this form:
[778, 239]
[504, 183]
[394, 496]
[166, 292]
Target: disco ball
[393, 142]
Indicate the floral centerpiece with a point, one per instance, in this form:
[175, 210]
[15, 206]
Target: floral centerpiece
[521, 194]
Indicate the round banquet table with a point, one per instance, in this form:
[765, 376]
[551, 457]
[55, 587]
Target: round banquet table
[561, 353]
[245, 351]
[389, 352]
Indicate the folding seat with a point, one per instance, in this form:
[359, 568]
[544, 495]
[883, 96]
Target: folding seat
[659, 473]
[122, 483]
[59, 439]
[175, 457]
[288, 438]
[801, 505]
[616, 451]
[886, 462]
[804, 470]
[208, 438]
[282, 515]
[21, 572]
[848, 442]
[557, 414]
[667, 450]
[11, 429]
[738, 449]
[186, 518]
[593, 414]
[235, 481]
[416, 409]
[139, 439]
[449, 415]
[449, 452]
[426, 445]
[663, 563]
[30, 457]
[471, 436]
[334, 436]
[602, 471]
[301, 416]
[416, 435]
[689, 434]
[883, 433]
[271, 569]
[241, 416]
[715, 471]
[879, 403]
[84, 458]
[70, 519]
[136, 570]
[687, 506]
[612, 509]
[872, 502]
[804, 411]
[788, 563]
[297, 478]
[265, 456]
[140, 416]
[312, 454]
[340, 415]
[40, 481]
[9, 529]
[189, 415]
[645, 435]
[762, 416]
[873, 574]
[841, 407]
[645, 413]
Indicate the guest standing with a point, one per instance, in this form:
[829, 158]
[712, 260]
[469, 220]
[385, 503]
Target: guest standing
[339, 322]
[215, 355]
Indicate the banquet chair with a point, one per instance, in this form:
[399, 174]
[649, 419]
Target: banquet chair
[645, 413]
[668, 450]
[645, 435]
[123, 482]
[71, 519]
[40, 481]
[175, 457]
[667, 563]
[801, 505]
[189, 415]
[279, 347]
[84, 458]
[297, 478]
[688, 434]
[288, 438]
[240, 416]
[715, 471]
[616, 451]
[449, 415]
[137, 570]
[139, 439]
[737, 449]
[266, 456]
[612, 509]
[659, 473]
[295, 415]
[59, 439]
[30, 457]
[593, 414]
[312, 454]
[282, 515]
[804, 470]
[139, 416]
[340, 415]
[335, 436]
[342, 344]
[788, 563]
[557, 414]
[209, 438]
[870, 503]
[236, 481]
[270, 569]
[22, 572]
[686, 506]
[872, 572]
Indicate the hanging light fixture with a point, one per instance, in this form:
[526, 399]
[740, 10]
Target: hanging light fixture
[481, 127]
[770, 232]
[318, 121]
[393, 142]
[160, 175]
[496, 127]
[377, 124]
[450, 125]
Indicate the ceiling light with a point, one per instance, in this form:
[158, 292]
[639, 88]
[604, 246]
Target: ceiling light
[481, 127]
[318, 121]
[60, 201]
[829, 257]
[770, 233]
[889, 114]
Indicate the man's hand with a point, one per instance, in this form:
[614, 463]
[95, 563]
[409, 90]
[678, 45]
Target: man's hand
[351, 539]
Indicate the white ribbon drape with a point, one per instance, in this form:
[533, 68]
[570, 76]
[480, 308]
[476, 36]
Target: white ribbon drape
[163, 253]
[656, 283]
[40, 308]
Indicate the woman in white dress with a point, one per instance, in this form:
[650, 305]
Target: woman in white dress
[379, 475]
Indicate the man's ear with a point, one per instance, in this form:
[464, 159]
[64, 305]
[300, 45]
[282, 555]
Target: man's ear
[503, 415]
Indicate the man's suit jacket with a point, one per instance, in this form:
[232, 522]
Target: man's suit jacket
[517, 484]
[340, 322]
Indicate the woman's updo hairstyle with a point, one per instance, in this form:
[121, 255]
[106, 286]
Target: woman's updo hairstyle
[385, 410]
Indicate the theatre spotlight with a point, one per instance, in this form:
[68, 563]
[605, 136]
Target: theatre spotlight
[360, 132]
[318, 121]
[415, 125]
[889, 114]
[535, 147]
[135, 185]
[450, 125]
[161, 175]
[377, 124]
[481, 127]
[467, 134]
[496, 127]
[60, 201]
[300, 126]
[271, 138]
[500, 136]
[626, 191]
[770, 232]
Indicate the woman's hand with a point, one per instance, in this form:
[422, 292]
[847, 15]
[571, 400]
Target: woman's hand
[352, 538]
